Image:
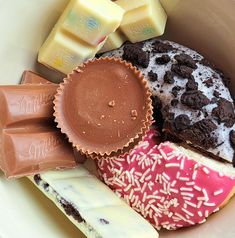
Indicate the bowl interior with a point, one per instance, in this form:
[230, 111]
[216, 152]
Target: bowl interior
[206, 26]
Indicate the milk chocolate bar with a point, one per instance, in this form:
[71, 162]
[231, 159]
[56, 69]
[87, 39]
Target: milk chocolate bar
[91, 205]
[33, 78]
[22, 103]
[31, 150]
[30, 142]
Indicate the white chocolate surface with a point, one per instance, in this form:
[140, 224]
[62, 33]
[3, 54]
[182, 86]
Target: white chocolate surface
[79, 33]
[143, 19]
[91, 20]
[114, 41]
[104, 214]
[64, 53]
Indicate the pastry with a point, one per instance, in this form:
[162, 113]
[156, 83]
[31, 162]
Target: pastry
[170, 186]
[196, 104]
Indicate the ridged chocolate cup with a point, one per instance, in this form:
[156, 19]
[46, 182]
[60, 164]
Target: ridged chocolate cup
[104, 107]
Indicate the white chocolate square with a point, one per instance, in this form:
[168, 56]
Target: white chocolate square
[143, 19]
[114, 41]
[91, 20]
[64, 53]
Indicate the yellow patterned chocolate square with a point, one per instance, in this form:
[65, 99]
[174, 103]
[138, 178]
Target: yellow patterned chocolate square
[144, 19]
[65, 53]
[91, 20]
[114, 41]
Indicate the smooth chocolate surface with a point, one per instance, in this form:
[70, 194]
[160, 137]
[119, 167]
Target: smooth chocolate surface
[29, 150]
[103, 107]
[20, 103]
[33, 78]
[29, 140]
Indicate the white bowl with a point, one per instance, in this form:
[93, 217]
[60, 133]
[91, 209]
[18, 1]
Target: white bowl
[206, 26]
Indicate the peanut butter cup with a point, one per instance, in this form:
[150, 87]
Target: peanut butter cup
[104, 106]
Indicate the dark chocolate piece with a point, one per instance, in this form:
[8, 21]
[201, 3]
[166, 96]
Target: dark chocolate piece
[152, 76]
[182, 122]
[194, 99]
[224, 112]
[209, 82]
[136, 55]
[164, 59]
[175, 90]
[214, 100]
[70, 210]
[174, 102]
[103, 221]
[191, 84]
[169, 77]
[200, 134]
[37, 178]
[216, 94]
[182, 70]
[186, 60]
[206, 125]
[161, 47]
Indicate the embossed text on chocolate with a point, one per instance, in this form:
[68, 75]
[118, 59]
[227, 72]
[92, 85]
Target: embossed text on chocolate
[42, 148]
[34, 103]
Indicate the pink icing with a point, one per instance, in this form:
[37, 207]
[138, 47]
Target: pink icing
[165, 186]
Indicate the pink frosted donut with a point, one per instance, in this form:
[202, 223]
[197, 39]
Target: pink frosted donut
[170, 186]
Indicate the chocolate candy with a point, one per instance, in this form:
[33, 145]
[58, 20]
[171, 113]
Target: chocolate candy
[33, 78]
[114, 41]
[80, 33]
[30, 142]
[143, 20]
[65, 52]
[21, 103]
[33, 149]
[92, 206]
[103, 106]
[90, 20]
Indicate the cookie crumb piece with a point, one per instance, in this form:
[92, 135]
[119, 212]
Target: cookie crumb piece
[133, 114]
[111, 103]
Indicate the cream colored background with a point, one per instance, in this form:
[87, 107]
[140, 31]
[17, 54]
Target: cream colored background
[205, 25]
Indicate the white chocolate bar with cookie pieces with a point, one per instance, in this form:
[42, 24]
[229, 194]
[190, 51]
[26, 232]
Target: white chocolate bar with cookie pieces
[92, 206]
